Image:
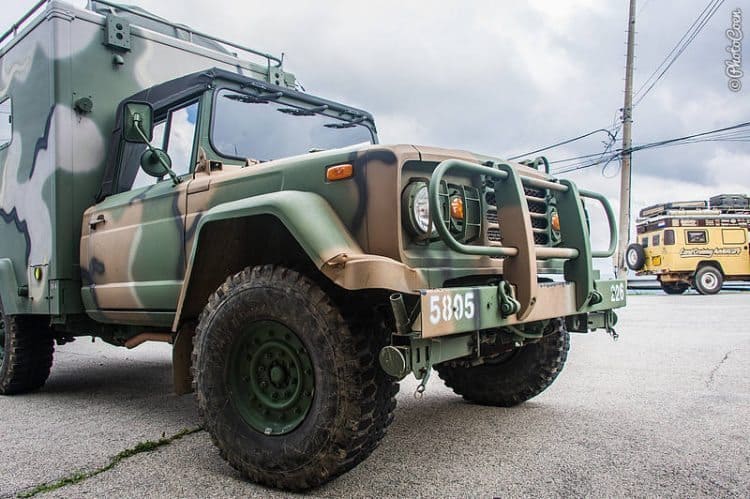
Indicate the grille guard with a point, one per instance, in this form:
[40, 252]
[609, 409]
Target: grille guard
[521, 253]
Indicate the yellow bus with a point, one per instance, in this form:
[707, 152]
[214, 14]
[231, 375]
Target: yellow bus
[694, 243]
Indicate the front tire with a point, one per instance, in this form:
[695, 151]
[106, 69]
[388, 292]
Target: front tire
[289, 390]
[708, 280]
[513, 378]
[26, 349]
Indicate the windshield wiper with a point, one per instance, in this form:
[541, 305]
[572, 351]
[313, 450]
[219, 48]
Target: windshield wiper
[349, 123]
[294, 111]
[263, 98]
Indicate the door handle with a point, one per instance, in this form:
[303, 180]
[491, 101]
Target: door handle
[99, 219]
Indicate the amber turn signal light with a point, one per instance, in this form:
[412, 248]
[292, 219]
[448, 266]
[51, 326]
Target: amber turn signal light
[339, 172]
[556, 222]
[457, 208]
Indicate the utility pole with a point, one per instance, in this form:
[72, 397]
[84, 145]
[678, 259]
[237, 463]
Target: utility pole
[627, 142]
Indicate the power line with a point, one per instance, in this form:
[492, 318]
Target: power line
[732, 133]
[567, 141]
[687, 38]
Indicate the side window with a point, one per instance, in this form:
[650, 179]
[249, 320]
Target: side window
[655, 240]
[696, 236]
[6, 122]
[644, 242]
[174, 133]
[669, 237]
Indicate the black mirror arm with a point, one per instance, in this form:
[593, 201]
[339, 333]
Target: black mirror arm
[172, 174]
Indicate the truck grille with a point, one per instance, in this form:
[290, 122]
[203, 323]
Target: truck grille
[536, 199]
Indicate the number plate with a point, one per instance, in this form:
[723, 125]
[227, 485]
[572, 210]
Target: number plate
[450, 306]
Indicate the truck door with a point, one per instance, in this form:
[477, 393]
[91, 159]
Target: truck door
[135, 264]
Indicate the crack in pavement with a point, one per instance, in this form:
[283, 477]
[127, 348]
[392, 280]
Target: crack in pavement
[80, 476]
[711, 375]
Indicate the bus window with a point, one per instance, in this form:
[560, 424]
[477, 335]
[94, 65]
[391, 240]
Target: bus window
[655, 240]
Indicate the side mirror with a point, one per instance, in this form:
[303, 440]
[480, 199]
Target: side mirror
[138, 122]
[156, 162]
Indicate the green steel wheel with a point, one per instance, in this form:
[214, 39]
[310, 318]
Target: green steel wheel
[26, 349]
[289, 389]
[270, 378]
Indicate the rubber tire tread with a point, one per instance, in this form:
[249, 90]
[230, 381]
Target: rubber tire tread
[674, 289]
[29, 350]
[696, 280]
[530, 371]
[365, 398]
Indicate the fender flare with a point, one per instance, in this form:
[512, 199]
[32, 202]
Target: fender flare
[12, 303]
[307, 216]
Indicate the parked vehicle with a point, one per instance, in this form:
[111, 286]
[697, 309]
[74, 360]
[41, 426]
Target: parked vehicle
[694, 243]
[156, 186]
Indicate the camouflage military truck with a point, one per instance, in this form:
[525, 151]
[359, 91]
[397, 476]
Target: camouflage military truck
[159, 184]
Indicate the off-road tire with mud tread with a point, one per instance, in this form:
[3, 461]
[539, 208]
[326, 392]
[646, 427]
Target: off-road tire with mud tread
[514, 378]
[28, 347]
[353, 400]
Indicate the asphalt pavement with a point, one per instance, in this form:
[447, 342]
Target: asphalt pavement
[663, 411]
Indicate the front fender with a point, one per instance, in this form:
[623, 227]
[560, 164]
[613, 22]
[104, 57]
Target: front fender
[311, 221]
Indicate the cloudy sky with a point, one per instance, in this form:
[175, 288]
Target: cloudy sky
[503, 78]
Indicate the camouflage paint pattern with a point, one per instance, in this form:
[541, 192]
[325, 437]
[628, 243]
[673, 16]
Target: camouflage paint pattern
[52, 169]
[134, 258]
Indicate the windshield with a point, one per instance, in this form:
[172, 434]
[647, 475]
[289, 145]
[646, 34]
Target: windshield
[248, 127]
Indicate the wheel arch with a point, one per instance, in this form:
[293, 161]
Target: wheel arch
[710, 263]
[290, 227]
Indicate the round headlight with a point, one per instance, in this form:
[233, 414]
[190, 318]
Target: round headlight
[421, 208]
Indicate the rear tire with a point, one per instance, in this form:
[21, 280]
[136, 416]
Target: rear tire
[266, 332]
[26, 349]
[674, 288]
[708, 280]
[514, 378]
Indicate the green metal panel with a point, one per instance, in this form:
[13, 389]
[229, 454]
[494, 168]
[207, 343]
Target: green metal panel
[306, 215]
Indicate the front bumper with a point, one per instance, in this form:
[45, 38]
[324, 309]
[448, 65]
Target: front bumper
[458, 310]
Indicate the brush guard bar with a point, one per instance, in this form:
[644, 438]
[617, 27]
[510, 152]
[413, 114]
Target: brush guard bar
[518, 250]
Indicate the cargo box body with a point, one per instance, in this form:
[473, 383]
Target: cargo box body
[61, 79]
